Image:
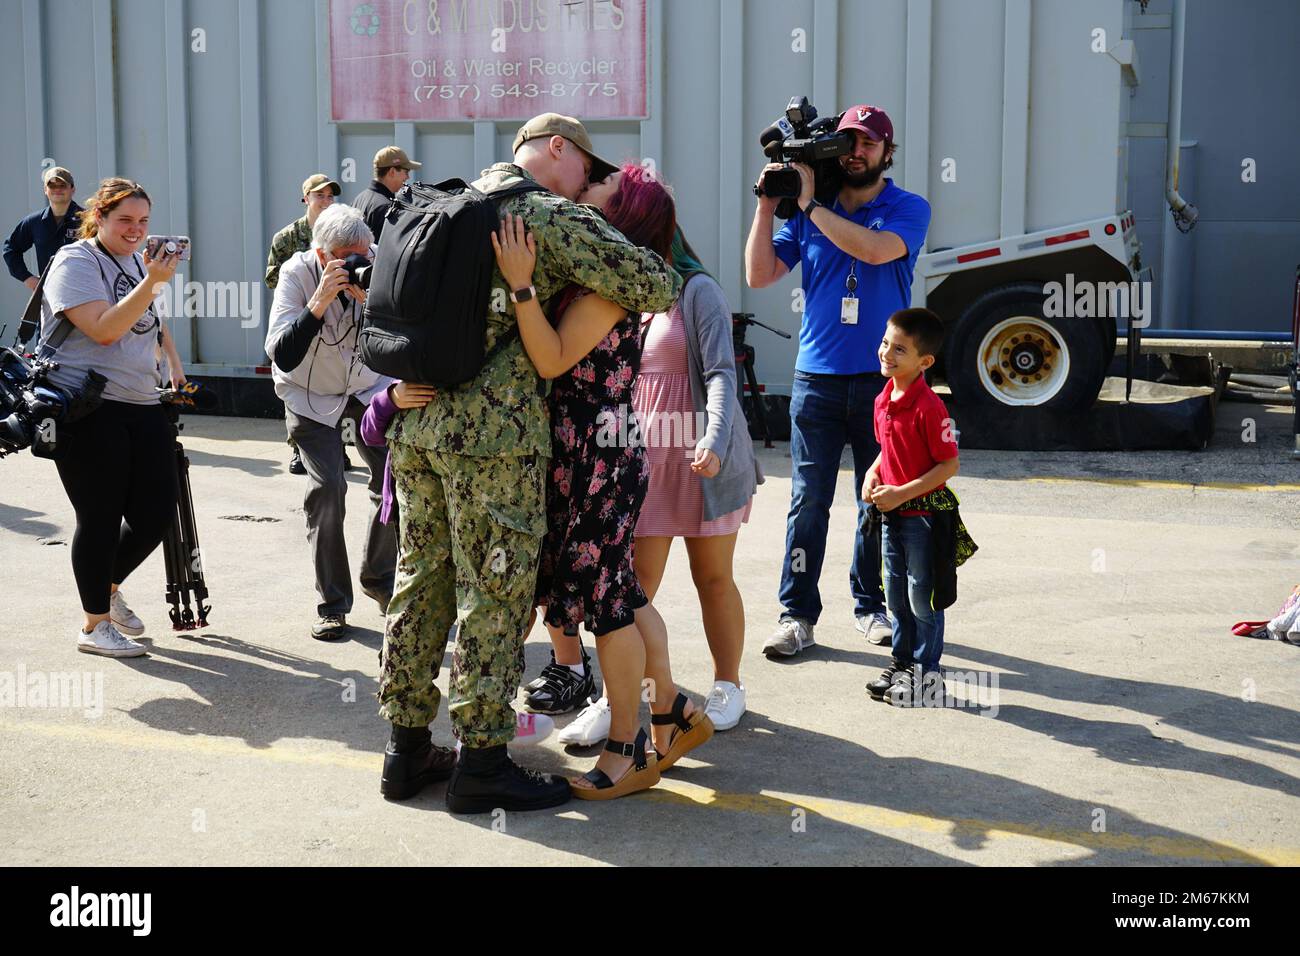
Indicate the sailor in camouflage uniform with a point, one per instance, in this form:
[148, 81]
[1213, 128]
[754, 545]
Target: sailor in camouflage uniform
[318, 192]
[470, 476]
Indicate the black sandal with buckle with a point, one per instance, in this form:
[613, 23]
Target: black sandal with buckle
[643, 774]
[690, 733]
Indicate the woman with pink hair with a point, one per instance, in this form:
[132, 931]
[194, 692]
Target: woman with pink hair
[595, 489]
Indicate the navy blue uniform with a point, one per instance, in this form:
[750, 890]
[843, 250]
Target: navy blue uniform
[40, 230]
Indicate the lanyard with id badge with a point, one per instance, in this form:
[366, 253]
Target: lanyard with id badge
[849, 304]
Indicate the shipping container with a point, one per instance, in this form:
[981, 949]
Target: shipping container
[1013, 117]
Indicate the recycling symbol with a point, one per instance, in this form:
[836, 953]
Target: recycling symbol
[365, 21]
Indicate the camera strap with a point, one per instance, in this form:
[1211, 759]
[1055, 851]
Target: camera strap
[31, 319]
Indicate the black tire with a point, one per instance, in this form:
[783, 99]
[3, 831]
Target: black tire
[1063, 360]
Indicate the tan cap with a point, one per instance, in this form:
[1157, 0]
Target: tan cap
[315, 182]
[58, 172]
[553, 124]
[394, 156]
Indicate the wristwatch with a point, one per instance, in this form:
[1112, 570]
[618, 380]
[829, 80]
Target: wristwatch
[523, 295]
[812, 204]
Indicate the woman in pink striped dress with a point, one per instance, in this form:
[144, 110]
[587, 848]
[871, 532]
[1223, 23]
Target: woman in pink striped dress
[702, 476]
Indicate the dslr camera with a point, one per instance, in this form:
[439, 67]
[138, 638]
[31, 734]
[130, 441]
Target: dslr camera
[358, 268]
[31, 405]
[800, 137]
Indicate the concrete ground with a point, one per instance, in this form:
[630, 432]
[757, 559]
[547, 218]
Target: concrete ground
[1130, 726]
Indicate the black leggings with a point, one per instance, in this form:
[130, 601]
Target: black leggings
[120, 474]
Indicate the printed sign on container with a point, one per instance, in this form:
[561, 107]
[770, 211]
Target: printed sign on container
[420, 60]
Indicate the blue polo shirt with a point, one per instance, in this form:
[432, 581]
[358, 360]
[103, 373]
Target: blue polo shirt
[40, 230]
[826, 345]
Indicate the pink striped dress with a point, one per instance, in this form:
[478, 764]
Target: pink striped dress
[674, 505]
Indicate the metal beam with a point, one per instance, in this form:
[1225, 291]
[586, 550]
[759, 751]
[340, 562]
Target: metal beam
[175, 51]
[105, 92]
[34, 95]
[731, 72]
[1015, 116]
[250, 155]
[652, 128]
[915, 135]
[327, 131]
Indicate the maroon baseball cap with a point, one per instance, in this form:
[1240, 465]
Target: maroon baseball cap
[871, 120]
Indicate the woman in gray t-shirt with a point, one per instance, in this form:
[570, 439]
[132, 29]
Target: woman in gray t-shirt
[118, 463]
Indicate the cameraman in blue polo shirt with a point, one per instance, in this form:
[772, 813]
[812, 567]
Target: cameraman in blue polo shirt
[857, 255]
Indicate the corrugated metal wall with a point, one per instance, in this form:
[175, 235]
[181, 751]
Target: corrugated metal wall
[1009, 89]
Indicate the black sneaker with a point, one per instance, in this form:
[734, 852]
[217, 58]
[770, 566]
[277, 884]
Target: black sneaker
[879, 687]
[486, 779]
[558, 690]
[914, 689]
[296, 466]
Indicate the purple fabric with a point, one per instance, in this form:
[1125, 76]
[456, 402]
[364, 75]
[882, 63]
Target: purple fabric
[373, 425]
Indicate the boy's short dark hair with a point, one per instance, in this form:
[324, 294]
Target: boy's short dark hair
[923, 327]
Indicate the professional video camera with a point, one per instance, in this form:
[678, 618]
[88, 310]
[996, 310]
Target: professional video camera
[32, 407]
[800, 137]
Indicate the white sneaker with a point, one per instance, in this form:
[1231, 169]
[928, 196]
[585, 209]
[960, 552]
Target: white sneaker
[107, 641]
[123, 617]
[877, 627]
[726, 704]
[792, 636]
[591, 726]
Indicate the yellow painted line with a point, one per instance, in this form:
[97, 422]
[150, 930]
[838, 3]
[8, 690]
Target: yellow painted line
[1177, 485]
[680, 793]
[878, 819]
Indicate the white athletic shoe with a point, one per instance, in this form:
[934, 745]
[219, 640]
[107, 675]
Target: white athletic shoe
[726, 704]
[792, 636]
[591, 726]
[877, 627]
[107, 641]
[123, 618]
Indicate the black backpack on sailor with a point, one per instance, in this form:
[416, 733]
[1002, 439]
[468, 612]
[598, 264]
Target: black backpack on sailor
[425, 318]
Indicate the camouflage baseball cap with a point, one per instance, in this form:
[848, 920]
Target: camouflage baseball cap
[553, 124]
[315, 182]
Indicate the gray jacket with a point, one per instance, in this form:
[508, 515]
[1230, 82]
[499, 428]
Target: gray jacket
[711, 356]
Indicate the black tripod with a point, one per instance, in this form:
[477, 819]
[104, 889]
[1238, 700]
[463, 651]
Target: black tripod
[181, 553]
[740, 321]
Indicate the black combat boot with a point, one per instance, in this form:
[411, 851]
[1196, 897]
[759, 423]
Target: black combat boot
[412, 762]
[486, 778]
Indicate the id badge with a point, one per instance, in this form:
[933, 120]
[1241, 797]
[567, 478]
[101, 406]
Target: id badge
[849, 310]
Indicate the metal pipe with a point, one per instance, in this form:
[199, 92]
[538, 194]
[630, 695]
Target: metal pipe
[1242, 335]
[1184, 213]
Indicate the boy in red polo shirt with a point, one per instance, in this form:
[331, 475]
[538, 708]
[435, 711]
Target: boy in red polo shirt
[918, 454]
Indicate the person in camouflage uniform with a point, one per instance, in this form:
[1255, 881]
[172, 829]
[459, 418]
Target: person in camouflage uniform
[470, 476]
[318, 192]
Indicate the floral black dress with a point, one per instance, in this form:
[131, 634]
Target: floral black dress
[594, 490]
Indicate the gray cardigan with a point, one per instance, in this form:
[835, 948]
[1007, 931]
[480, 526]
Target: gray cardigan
[711, 356]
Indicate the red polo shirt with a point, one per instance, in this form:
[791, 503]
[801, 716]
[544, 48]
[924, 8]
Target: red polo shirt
[915, 433]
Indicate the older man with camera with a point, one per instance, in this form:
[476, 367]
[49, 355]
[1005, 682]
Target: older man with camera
[312, 342]
[857, 254]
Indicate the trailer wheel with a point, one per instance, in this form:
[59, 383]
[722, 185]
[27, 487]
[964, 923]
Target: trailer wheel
[1004, 351]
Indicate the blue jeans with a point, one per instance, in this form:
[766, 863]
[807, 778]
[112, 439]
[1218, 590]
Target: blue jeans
[909, 585]
[826, 412]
